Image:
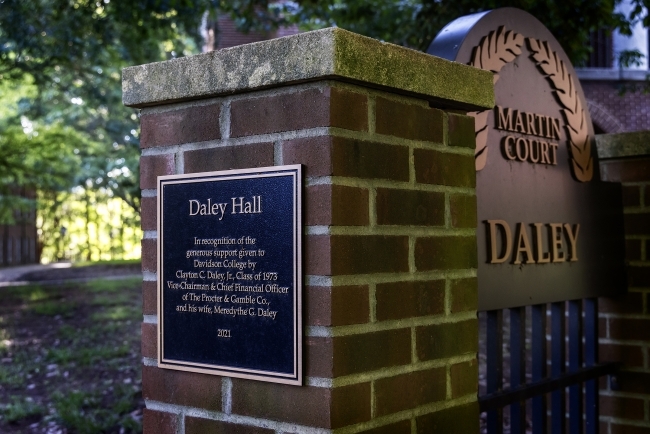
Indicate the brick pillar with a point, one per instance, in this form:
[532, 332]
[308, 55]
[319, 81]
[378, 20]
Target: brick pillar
[625, 321]
[389, 238]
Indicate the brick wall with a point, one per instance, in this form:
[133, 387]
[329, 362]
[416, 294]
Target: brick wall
[390, 261]
[612, 112]
[625, 321]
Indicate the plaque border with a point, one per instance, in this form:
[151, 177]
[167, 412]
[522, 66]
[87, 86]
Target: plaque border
[294, 171]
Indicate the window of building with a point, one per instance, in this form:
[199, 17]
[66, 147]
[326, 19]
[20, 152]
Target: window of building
[602, 51]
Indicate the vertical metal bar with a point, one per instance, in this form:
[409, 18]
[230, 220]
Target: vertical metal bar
[538, 337]
[494, 353]
[575, 363]
[591, 358]
[517, 367]
[558, 343]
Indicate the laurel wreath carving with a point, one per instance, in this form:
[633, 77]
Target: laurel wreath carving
[576, 118]
[495, 50]
[501, 47]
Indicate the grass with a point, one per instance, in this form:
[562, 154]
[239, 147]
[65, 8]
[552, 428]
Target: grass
[54, 308]
[70, 358]
[19, 409]
[108, 286]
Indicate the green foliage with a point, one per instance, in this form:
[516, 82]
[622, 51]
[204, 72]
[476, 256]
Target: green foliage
[10, 378]
[107, 286]
[82, 412]
[54, 308]
[116, 313]
[98, 225]
[415, 23]
[19, 409]
[116, 262]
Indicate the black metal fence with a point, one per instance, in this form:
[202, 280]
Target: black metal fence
[540, 369]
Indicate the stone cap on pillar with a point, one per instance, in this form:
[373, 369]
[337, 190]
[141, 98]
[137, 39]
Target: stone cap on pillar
[621, 145]
[328, 54]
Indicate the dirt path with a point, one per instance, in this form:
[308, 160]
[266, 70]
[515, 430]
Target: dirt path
[60, 272]
[14, 274]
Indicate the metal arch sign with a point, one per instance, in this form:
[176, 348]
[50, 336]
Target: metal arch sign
[549, 229]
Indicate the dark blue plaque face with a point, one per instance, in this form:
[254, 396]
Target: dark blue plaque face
[229, 281]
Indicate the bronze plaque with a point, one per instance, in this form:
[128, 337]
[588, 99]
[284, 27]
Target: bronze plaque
[549, 229]
[230, 273]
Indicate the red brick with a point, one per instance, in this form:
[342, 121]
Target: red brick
[362, 159]
[408, 299]
[149, 255]
[409, 121]
[317, 255]
[637, 170]
[368, 254]
[630, 303]
[616, 428]
[407, 391]
[408, 207]
[637, 224]
[314, 153]
[350, 305]
[464, 295]
[339, 156]
[159, 422]
[633, 250]
[148, 214]
[303, 405]
[401, 427]
[299, 110]
[622, 408]
[318, 357]
[229, 157]
[630, 355]
[603, 428]
[149, 342]
[195, 425]
[445, 253]
[149, 298]
[188, 125]
[602, 327]
[455, 420]
[638, 277]
[464, 379]
[311, 406]
[463, 211]
[447, 340]
[461, 131]
[351, 404]
[435, 167]
[631, 195]
[371, 351]
[628, 329]
[181, 388]
[634, 382]
[336, 205]
[348, 110]
[338, 305]
[152, 166]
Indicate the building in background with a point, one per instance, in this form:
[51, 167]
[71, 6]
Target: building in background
[224, 34]
[618, 95]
